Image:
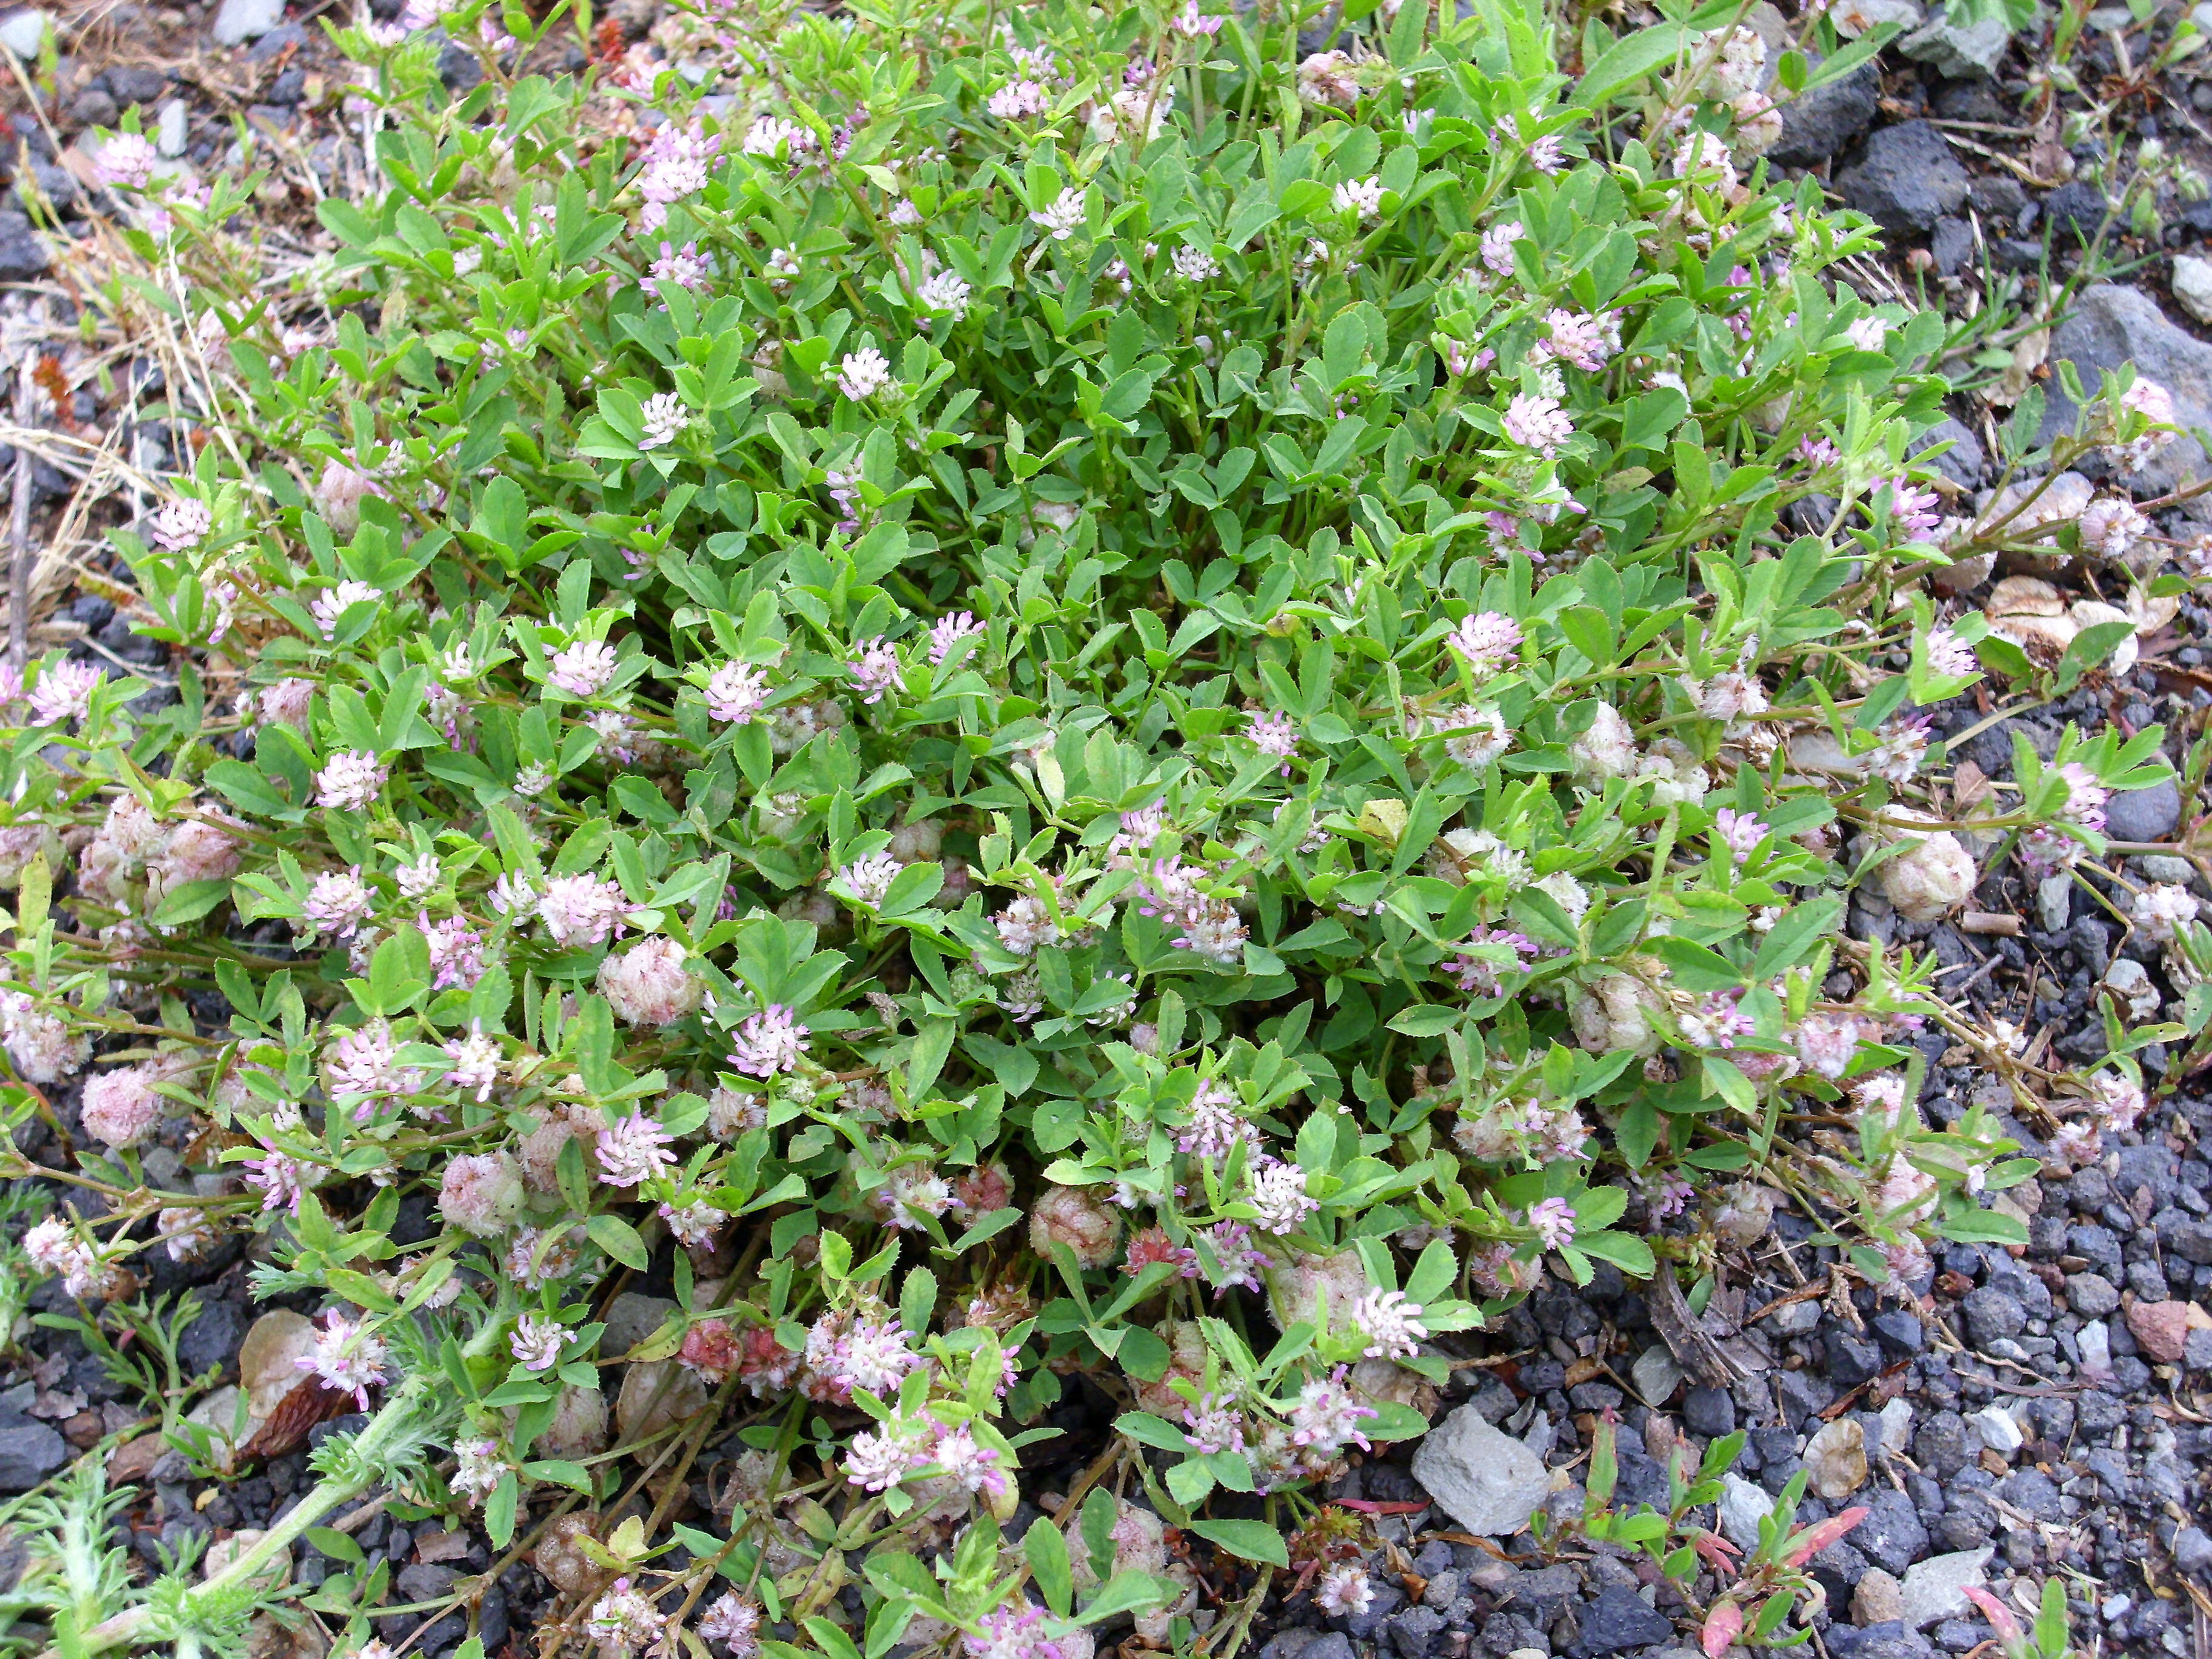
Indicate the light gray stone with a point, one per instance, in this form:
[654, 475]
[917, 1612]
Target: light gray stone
[632, 1318]
[241, 20]
[1958, 50]
[24, 33]
[2192, 286]
[1488, 1481]
[1657, 1375]
[1999, 1430]
[1742, 1507]
[169, 129]
[2054, 900]
[1936, 1588]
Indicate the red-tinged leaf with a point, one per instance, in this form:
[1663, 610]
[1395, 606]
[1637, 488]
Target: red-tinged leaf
[1998, 1615]
[1722, 1625]
[1718, 1553]
[1813, 1540]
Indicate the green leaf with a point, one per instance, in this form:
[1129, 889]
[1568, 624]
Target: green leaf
[1046, 1550]
[1248, 1541]
[328, 1541]
[1629, 61]
[619, 1240]
[1625, 1250]
[499, 1510]
[1147, 1429]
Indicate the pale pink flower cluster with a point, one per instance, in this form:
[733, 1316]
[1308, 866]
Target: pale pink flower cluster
[329, 607]
[782, 140]
[1496, 249]
[2156, 405]
[685, 267]
[1579, 339]
[662, 418]
[120, 1107]
[583, 910]
[1361, 198]
[634, 1150]
[863, 373]
[845, 1352]
[736, 693]
[338, 901]
[1279, 1194]
[64, 691]
[475, 1062]
[676, 164]
[733, 1622]
[1391, 1324]
[870, 878]
[1553, 1220]
[1486, 640]
[1217, 1126]
[625, 1620]
[456, 951]
[767, 1042]
[948, 634]
[652, 984]
[900, 1446]
[537, 1342]
[583, 669]
[54, 1247]
[347, 1358]
[1538, 423]
[1343, 1590]
[477, 1470]
[351, 781]
[183, 522]
[875, 669]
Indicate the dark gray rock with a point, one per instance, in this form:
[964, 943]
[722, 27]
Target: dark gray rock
[1899, 1333]
[1414, 1632]
[1907, 179]
[1852, 1359]
[1992, 1315]
[2192, 1552]
[1964, 462]
[1816, 125]
[1709, 1412]
[1885, 1641]
[2151, 814]
[2077, 209]
[2032, 1492]
[425, 1582]
[29, 1452]
[211, 1341]
[1891, 1536]
[1940, 1447]
[267, 48]
[95, 106]
[1617, 1619]
[2093, 1295]
[460, 68]
[23, 254]
[2111, 324]
[1334, 1644]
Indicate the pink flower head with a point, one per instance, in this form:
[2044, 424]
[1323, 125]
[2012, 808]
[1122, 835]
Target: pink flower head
[1213, 1424]
[1486, 640]
[582, 670]
[1153, 1244]
[1911, 509]
[346, 1359]
[767, 1042]
[1538, 423]
[64, 691]
[537, 1342]
[456, 951]
[1554, 1219]
[1274, 733]
[875, 669]
[950, 633]
[632, 1150]
[736, 692]
[1740, 832]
